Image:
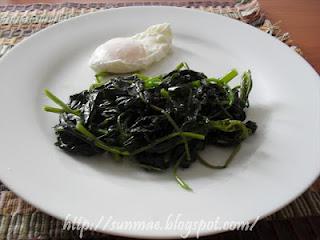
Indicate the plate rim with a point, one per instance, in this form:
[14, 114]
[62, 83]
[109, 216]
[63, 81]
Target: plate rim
[123, 233]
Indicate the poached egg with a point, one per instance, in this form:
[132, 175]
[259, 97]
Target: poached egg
[130, 54]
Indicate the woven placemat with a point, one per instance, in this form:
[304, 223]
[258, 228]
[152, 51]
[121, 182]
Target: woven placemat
[20, 220]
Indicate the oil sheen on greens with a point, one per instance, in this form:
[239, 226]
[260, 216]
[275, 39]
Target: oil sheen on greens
[158, 122]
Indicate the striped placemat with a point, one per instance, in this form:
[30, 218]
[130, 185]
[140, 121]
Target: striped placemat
[20, 220]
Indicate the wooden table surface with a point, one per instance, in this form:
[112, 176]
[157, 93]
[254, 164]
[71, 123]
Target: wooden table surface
[301, 18]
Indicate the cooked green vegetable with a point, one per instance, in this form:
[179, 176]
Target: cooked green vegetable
[159, 122]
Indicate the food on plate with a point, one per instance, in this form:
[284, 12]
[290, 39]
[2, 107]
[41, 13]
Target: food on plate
[158, 122]
[130, 54]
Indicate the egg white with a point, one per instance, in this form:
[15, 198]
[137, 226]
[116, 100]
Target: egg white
[130, 54]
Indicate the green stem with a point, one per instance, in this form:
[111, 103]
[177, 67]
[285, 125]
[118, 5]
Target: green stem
[228, 77]
[245, 88]
[196, 84]
[147, 167]
[193, 135]
[179, 180]
[175, 126]
[53, 109]
[186, 66]
[95, 85]
[165, 138]
[59, 102]
[212, 79]
[164, 93]
[225, 165]
[100, 77]
[122, 134]
[230, 95]
[182, 65]
[225, 111]
[155, 142]
[99, 143]
[104, 122]
[228, 125]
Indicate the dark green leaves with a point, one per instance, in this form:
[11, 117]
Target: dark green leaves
[159, 122]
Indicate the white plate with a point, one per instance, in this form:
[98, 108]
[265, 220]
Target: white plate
[273, 167]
